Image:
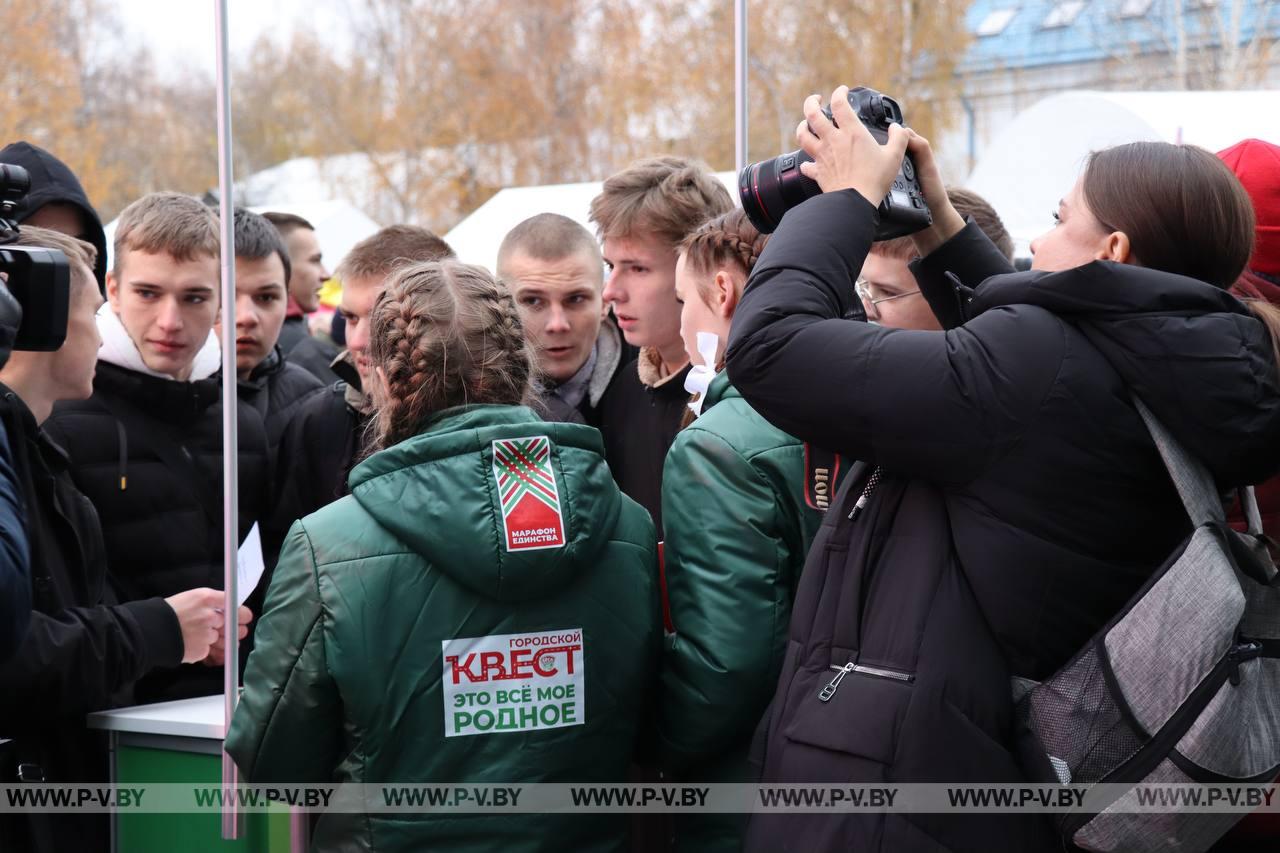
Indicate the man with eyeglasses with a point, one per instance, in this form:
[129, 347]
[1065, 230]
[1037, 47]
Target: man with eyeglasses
[887, 288]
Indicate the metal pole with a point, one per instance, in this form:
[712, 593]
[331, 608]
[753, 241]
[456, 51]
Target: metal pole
[739, 84]
[230, 450]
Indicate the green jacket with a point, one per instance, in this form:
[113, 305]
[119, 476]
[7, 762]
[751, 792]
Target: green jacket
[737, 531]
[493, 552]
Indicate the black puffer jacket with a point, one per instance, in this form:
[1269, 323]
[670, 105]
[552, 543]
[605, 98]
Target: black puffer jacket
[1017, 466]
[83, 651]
[147, 452]
[52, 181]
[275, 390]
[319, 447]
[316, 357]
[639, 415]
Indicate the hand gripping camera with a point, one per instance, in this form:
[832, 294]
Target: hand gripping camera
[35, 295]
[770, 188]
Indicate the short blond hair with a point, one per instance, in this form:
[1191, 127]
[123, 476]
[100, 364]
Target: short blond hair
[666, 196]
[167, 224]
[380, 254]
[80, 254]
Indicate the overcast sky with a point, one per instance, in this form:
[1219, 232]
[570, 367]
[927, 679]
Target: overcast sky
[181, 32]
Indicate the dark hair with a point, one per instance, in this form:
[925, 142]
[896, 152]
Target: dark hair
[444, 334]
[257, 239]
[549, 237]
[380, 254]
[1182, 209]
[287, 223]
[968, 204]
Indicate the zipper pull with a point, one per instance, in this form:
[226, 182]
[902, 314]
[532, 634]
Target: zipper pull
[1241, 652]
[830, 690]
[872, 482]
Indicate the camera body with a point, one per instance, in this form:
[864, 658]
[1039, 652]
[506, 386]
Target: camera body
[35, 296]
[772, 187]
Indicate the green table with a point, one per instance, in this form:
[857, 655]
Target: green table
[182, 742]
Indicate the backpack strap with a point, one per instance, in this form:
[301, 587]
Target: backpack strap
[1193, 481]
[1199, 495]
[1249, 504]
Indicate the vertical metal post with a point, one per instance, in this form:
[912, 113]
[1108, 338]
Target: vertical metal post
[230, 443]
[739, 84]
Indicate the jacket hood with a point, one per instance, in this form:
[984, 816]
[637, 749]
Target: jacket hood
[52, 181]
[507, 505]
[1191, 351]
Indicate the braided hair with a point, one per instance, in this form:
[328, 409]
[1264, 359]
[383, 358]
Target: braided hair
[444, 334]
[729, 241]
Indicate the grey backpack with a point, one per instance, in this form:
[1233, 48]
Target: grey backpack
[1183, 685]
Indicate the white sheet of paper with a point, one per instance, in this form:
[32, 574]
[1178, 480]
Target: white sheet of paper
[249, 565]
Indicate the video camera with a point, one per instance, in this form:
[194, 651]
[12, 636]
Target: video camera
[770, 188]
[37, 290]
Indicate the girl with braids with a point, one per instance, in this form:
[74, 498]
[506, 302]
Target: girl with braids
[737, 529]
[483, 606]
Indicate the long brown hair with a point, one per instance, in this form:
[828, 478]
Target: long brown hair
[444, 334]
[1183, 210]
[1181, 207]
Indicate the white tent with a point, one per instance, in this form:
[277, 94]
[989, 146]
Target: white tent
[476, 239]
[339, 226]
[1034, 161]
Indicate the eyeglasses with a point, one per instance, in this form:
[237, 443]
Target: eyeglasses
[866, 293]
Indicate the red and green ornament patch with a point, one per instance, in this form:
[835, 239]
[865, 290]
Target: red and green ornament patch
[531, 513]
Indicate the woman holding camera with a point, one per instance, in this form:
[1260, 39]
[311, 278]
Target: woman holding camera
[1017, 500]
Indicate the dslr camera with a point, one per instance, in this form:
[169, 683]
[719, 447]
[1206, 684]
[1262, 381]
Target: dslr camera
[770, 188]
[36, 288]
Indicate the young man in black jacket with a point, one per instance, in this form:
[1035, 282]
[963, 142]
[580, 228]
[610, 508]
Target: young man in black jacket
[642, 215]
[146, 448]
[307, 275]
[84, 650]
[268, 383]
[552, 266]
[324, 439]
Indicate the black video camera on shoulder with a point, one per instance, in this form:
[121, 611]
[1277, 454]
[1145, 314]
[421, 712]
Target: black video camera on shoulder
[36, 290]
[770, 188]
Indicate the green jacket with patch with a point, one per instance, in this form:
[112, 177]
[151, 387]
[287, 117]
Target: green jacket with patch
[737, 531]
[481, 608]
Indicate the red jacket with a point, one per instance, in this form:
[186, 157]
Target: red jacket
[1261, 826]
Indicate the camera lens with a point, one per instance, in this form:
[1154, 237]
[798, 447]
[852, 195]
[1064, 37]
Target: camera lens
[770, 188]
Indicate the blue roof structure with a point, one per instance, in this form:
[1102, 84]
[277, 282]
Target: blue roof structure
[1039, 33]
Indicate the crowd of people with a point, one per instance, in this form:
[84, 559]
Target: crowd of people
[687, 474]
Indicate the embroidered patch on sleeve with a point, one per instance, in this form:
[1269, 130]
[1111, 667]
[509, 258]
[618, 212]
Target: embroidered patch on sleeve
[531, 516]
[514, 682]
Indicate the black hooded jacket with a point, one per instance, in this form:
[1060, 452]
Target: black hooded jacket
[52, 181]
[84, 650]
[147, 451]
[321, 444]
[275, 389]
[1022, 501]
